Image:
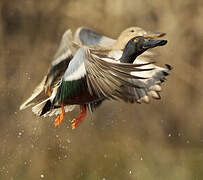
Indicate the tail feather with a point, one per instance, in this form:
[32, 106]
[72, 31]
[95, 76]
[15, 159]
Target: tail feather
[37, 95]
[39, 108]
[46, 107]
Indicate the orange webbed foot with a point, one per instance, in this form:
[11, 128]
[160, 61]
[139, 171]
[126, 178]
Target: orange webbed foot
[60, 118]
[76, 121]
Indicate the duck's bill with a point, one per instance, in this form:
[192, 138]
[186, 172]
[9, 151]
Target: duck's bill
[151, 43]
[154, 35]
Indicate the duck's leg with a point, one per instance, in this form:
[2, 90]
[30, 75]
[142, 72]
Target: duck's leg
[60, 118]
[78, 120]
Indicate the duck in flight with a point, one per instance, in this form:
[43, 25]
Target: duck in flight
[86, 83]
[90, 78]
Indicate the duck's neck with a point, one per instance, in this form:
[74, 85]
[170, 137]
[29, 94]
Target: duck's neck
[127, 56]
[130, 53]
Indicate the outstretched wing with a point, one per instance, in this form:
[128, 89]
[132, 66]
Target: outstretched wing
[89, 37]
[61, 60]
[130, 83]
[110, 79]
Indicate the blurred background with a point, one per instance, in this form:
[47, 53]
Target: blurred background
[161, 140]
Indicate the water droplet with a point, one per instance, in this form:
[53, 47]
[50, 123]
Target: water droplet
[169, 135]
[68, 141]
[19, 134]
[42, 175]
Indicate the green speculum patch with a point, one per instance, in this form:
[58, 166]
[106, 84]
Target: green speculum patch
[70, 89]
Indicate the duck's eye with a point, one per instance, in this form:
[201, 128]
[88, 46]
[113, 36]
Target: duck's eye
[132, 31]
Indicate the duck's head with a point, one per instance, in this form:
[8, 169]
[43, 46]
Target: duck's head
[131, 32]
[137, 46]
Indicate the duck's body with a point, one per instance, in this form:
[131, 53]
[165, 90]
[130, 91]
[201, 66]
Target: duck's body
[75, 89]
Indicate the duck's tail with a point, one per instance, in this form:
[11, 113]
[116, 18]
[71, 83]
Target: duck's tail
[40, 108]
[37, 96]
[46, 107]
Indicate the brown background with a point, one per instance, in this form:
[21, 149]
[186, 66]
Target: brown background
[163, 140]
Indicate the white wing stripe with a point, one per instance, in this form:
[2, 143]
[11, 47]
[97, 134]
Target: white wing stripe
[77, 74]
